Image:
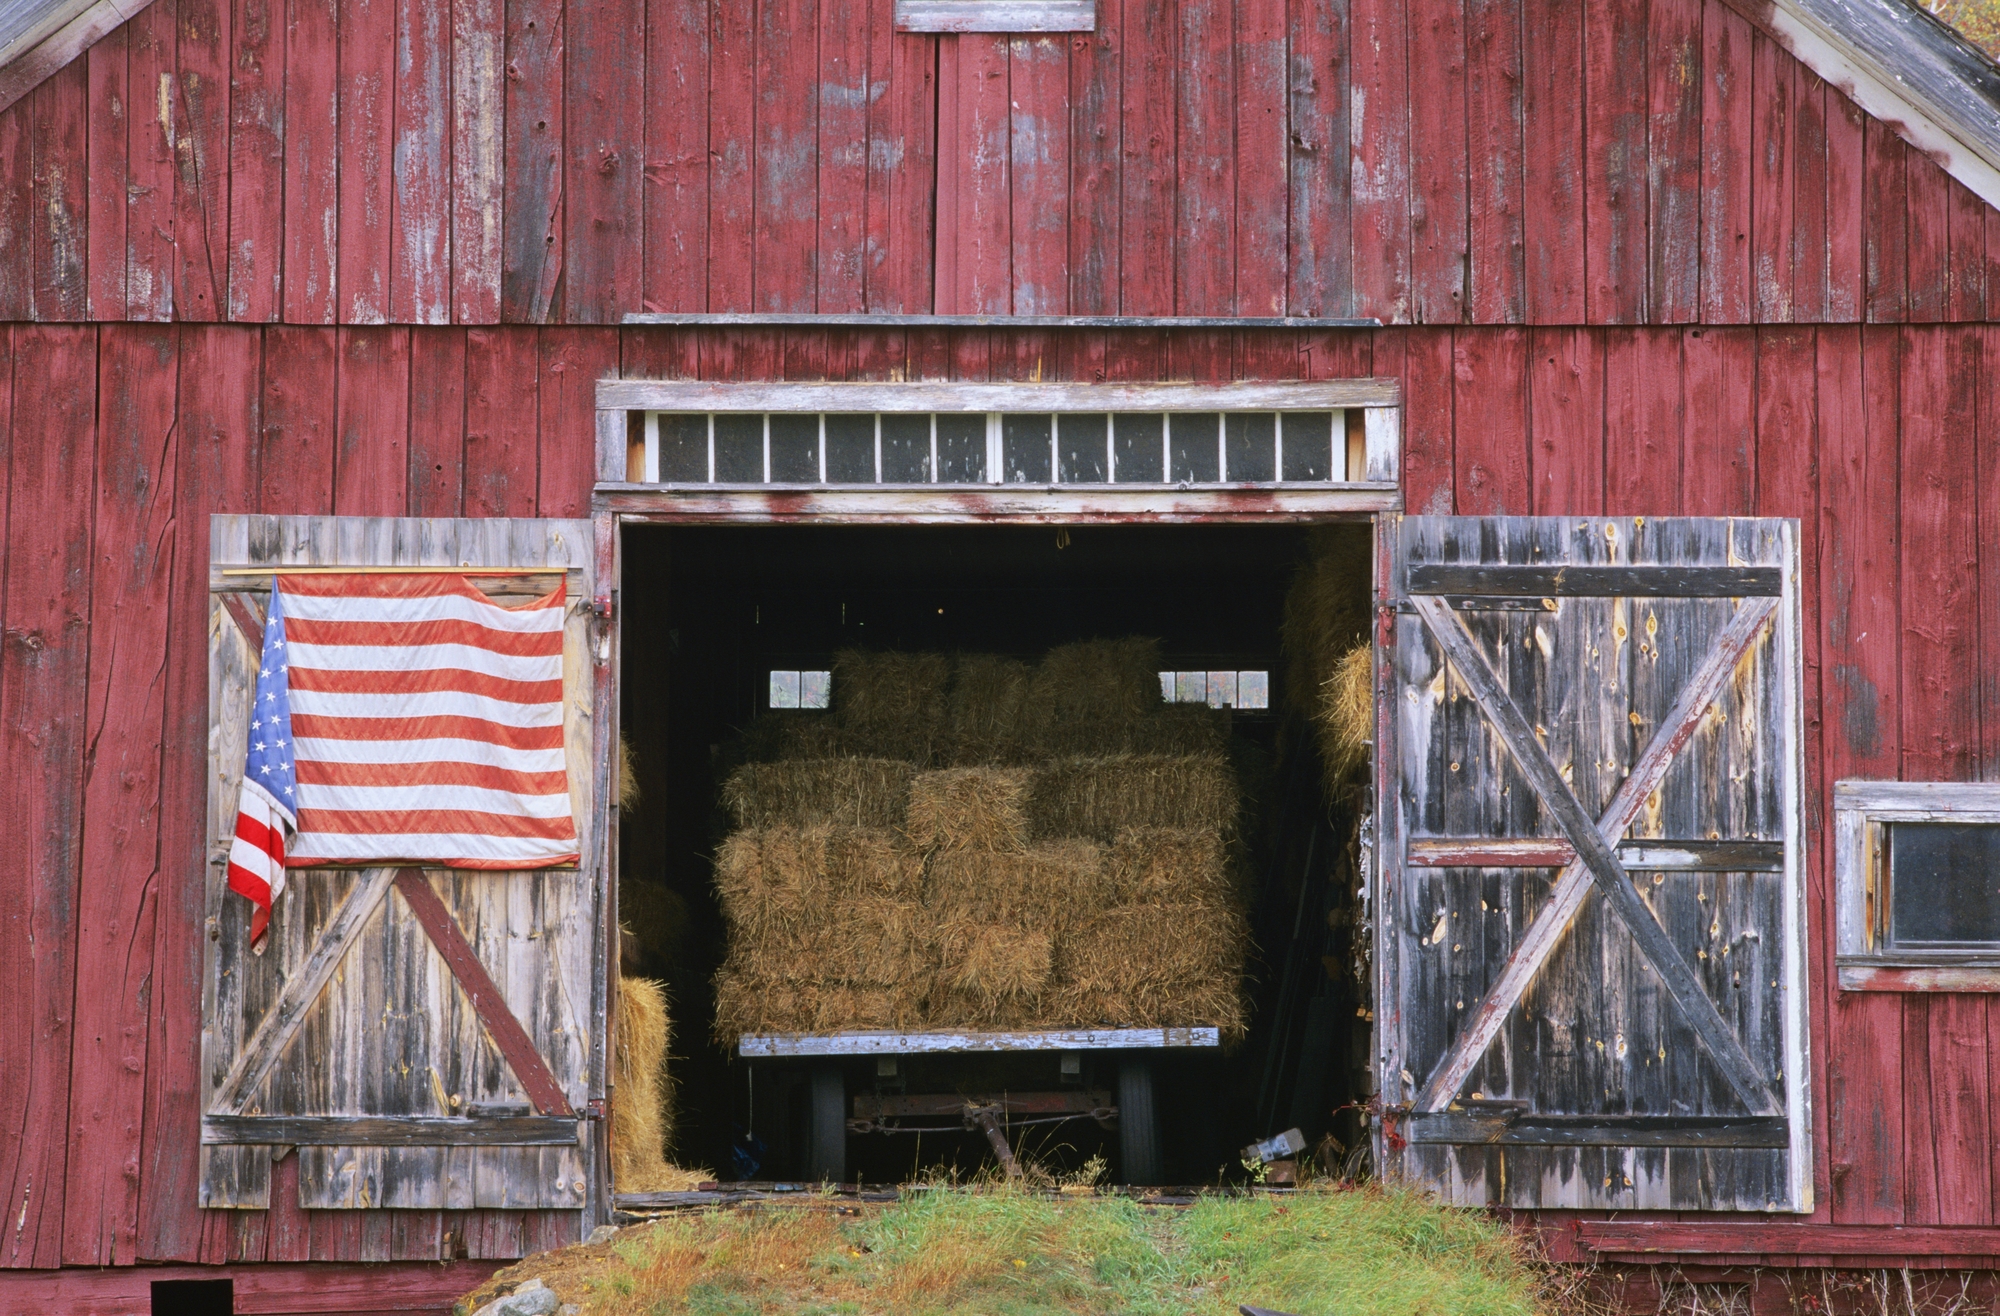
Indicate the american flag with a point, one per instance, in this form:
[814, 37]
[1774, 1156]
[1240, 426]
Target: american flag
[402, 718]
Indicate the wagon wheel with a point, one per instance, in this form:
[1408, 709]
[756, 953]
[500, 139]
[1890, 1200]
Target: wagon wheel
[826, 1146]
[1138, 1132]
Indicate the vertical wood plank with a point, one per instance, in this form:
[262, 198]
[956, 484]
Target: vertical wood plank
[979, 279]
[1615, 166]
[312, 174]
[1958, 1113]
[1428, 420]
[1642, 422]
[1095, 149]
[256, 259]
[150, 259]
[478, 166]
[372, 422]
[1321, 267]
[1495, 148]
[1927, 230]
[296, 438]
[902, 168]
[1039, 151]
[676, 185]
[1857, 377]
[1989, 579]
[1846, 166]
[1773, 84]
[132, 554]
[1566, 419]
[1727, 109]
[43, 670]
[61, 203]
[604, 152]
[1966, 297]
[1262, 157]
[365, 137]
[1147, 205]
[787, 119]
[571, 365]
[845, 79]
[1719, 458]
[502, 394]
[1490, 475]
[109, 145]
[201, 160]
[1810, 265]
[732, 86]
[420, 234]
[1553, 118]
[1379, 144]
[437, 421]
[1884, 237]
[17, 164]
[1440, 169]
[531, 256]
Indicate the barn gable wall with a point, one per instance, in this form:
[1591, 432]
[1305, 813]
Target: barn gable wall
[120, 440]
[527, 161]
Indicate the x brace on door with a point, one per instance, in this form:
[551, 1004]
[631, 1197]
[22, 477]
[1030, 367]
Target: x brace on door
[1596, 859]
[281, 1023]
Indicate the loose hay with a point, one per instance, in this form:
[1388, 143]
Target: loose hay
[968, 809]
[1168, 864]
[1346, 714]
[1100, 797]
[850, 792]
[1326, 617]
[628, 777]
[642, 1111]
[784, 875]
[892, 705]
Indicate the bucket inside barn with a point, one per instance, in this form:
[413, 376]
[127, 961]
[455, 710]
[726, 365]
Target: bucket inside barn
[1082, 777]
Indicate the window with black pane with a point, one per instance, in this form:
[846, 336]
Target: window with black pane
[1944, 885]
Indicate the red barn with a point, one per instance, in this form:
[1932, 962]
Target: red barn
[1599, 314]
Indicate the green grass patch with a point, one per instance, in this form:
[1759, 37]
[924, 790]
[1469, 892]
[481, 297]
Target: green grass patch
[999, 1252]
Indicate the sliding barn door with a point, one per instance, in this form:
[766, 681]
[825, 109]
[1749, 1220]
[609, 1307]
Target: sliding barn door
[418, 1038]
[1591, 974]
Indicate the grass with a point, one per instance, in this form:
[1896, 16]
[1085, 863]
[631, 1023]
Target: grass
[995, 1251]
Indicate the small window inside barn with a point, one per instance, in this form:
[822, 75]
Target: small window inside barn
[801, 689]
[1917, 880]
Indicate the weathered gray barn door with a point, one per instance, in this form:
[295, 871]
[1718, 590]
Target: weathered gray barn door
[1591, 953]
[420, 1038]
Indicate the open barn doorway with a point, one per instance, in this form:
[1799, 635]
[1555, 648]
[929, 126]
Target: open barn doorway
[1176, 720]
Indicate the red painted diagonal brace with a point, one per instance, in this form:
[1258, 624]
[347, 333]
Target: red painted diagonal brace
[516, 1047]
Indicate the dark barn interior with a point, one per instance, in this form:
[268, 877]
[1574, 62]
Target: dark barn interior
[710, 611]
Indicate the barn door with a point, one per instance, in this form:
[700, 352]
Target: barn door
[1591, 941]
[417, 1038]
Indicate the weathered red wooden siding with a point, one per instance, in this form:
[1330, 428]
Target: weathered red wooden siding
[425, 162]
[119, 440]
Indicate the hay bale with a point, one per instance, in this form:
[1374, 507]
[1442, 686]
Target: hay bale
[988, 696]
[787, 734]
[1168, 864]
[1049, 881]
[990, 963]
[1154, 965]
[860, 943]
[1086, 695]
[968, 809]
[1100, 797]
[892, 705]
[1345, 718]
[788, 875]
[1327, 614]
[850, 792]
[747, 1003]
[642, 1109]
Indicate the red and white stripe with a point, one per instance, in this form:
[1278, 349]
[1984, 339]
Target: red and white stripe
[427, 723]
[257, 853]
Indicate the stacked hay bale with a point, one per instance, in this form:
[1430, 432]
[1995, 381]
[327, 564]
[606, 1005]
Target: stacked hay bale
[981, 843]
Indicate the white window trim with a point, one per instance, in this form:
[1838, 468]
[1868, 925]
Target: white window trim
[996, 16]
[1860, 809]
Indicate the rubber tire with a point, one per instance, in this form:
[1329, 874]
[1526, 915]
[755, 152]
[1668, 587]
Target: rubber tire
[826, 1149]
[1138, 1130]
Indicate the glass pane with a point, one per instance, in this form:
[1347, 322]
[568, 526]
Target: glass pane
[795, 449]
[1080, 447]
[784, 689]
[1222, 689]
[1135, 447]
[906, 449]
[1024, 449]
[961, 447]
[1308, 445]
[739, 449]
[684, 448]
[1190, 687]
[850, 449]
[1167, 686]
[1253, 689]
[814, 687]
[1253, 438]
[1193, 439]
[1944, 884]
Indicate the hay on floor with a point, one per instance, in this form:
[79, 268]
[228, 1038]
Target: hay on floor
[849, 792]
[1100, 797]
[642, 1105]
[968, 809]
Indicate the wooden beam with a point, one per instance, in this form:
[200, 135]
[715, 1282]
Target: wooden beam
[281, 1022]
[512, 1040]
[1467, 1129]
[983, 504]
[1740, 1237]
[702, 395]
[900, 1044]
[996, 15]
[1534, 584]
[388, 1131]
[1636, 856]
[1594, 849]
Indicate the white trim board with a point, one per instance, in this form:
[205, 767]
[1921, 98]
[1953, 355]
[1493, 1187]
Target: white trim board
[904, 1044]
